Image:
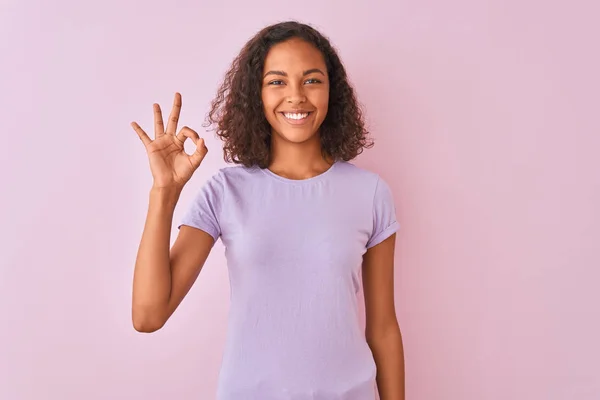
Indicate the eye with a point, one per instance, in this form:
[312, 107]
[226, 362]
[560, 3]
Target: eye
[313, 80]
[276, 82]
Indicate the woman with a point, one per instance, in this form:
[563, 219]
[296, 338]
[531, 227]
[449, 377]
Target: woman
[299, 222]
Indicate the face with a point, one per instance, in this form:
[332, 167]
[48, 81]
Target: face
[295, 90]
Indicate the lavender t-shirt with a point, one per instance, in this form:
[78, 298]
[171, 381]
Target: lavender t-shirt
[294, 252]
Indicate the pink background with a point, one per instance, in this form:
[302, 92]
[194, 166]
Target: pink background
[485, 115]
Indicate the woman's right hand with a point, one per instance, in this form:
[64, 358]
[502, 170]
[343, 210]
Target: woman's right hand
[171, 166]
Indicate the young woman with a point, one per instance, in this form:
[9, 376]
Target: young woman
[298, 221]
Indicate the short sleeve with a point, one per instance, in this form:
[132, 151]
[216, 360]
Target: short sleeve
[384, 214]
[205, 210]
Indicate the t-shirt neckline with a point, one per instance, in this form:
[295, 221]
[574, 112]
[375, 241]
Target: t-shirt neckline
[315, 178]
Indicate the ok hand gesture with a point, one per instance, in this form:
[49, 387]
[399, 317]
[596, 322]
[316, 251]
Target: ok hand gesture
[171, 166]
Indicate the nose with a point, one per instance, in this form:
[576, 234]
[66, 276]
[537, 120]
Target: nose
[296, 94]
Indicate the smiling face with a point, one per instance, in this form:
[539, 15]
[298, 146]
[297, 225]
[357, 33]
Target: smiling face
[295, 90]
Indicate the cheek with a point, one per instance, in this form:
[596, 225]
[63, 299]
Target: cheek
[320, 99]
[323, 107]
[268, 105]
[270, 98]
[265, 100]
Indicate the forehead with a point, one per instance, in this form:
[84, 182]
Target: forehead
[294, 54]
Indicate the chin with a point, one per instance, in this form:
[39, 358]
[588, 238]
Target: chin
[297, 136]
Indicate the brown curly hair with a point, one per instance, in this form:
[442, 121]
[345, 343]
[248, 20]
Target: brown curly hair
[237, 109]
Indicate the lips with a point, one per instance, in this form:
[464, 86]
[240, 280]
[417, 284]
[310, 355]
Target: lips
[296, 118]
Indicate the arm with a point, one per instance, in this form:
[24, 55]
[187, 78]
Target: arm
[382, 330]
[162, 278]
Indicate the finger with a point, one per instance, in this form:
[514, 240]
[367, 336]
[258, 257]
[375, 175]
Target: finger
[198, 155]
[186, 131]
[201, 149]
[142, 135]
[174, 116]
[159, 127]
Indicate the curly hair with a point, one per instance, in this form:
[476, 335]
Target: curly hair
[237, 109]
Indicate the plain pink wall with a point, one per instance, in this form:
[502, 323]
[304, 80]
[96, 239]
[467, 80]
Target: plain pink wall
[486, 121]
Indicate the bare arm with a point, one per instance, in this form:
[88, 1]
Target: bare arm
[382, 330]
[163, 276]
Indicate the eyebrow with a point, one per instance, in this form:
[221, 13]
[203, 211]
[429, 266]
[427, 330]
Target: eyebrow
[283, 73]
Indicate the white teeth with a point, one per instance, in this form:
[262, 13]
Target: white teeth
[295, 116]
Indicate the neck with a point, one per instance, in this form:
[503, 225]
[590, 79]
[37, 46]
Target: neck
[298, 160]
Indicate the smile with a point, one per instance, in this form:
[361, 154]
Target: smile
[296, 118]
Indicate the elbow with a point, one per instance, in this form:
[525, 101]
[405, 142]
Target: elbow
[143, 327]
[383, 334]
[146, 324]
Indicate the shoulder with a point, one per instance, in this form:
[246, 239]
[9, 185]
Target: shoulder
[359, 175]
[231, 174]
[370, 184]
[236, 174]
[220, 185]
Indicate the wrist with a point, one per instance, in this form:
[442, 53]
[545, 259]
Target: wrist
[166, 194]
